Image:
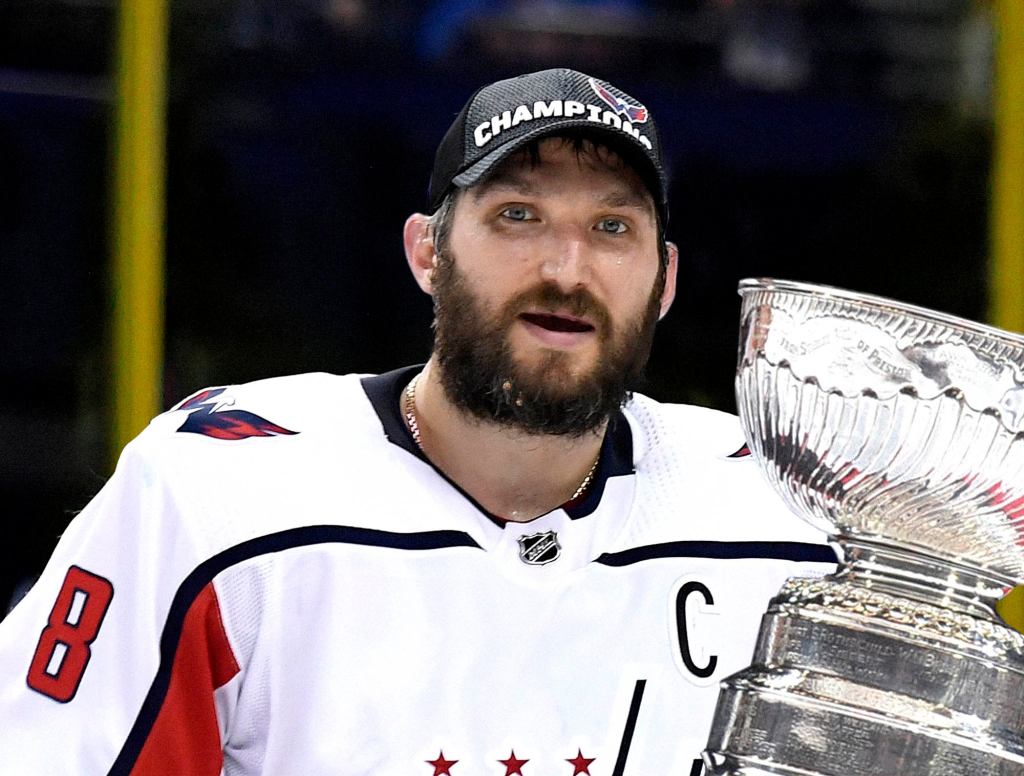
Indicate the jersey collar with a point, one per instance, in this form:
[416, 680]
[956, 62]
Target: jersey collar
[616, 459]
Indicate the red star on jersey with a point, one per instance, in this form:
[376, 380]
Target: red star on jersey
[513, 765]
[442, 767]
[580, 763]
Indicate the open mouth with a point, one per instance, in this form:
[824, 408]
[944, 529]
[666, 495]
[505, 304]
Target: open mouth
[553, 322]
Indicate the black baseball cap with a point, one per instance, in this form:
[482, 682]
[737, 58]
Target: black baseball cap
[503, 117]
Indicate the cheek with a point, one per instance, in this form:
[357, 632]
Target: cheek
[489, 263]
[633, 291]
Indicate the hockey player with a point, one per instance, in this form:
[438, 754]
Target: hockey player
[499, 562]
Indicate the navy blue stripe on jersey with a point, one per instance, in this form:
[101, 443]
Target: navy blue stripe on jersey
[385, 394]
[802, 552]
[205, 572]
[616, 460]
[627, 733]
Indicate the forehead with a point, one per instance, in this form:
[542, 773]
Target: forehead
[530, 168]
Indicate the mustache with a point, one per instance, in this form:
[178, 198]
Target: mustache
[547, 297]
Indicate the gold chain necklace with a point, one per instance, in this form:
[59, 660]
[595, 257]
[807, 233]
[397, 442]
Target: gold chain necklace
[409, 410]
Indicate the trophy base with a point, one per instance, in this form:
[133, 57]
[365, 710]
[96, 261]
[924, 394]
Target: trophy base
[847, 681]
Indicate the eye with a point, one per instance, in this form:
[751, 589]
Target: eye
[612, 226]
[517, 213]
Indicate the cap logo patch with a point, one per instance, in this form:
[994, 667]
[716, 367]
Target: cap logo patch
[486, 131]
[539, 548]
[637, 114]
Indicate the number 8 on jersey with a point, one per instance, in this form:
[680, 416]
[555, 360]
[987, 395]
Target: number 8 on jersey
[63, 651]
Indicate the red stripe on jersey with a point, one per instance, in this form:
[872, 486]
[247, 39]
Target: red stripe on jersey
[186, 737]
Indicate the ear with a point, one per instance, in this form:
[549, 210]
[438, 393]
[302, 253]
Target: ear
[419, 250]
[671, 270]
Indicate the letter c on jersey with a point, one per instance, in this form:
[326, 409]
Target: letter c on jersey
[688, 589]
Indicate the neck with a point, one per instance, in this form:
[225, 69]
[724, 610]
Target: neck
[511, 473]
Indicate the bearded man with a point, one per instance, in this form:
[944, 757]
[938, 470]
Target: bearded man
[503, 561]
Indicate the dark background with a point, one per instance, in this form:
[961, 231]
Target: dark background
[836, 141]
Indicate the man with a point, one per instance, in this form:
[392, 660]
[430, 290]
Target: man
[500, 562]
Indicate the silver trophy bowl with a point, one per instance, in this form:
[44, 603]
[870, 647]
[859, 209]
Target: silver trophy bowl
[898, 431]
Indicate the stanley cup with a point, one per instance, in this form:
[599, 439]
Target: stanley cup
[900, 432]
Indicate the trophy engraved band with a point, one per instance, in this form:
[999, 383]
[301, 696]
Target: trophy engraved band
[899, 431]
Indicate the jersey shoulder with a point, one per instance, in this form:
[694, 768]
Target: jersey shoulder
[271, 419]
[698, 430]
[697, 479]
[265, 456]
[272, 407]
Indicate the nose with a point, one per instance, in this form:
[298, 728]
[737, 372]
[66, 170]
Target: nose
[566, 262]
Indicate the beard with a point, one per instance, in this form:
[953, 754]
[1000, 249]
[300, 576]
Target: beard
[481, 375]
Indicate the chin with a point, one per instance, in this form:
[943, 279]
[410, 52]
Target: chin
[558, 371]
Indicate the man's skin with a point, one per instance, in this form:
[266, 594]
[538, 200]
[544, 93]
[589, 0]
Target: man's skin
[571, 221]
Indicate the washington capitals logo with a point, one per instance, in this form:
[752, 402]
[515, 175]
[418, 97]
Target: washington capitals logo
[637, 114]
[208, 420]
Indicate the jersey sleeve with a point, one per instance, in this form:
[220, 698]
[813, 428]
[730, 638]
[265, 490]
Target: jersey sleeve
[117, 661]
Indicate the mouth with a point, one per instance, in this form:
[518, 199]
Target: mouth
[558, 323]
[557, 331]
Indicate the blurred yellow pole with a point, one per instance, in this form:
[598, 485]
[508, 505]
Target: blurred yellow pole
[1006, 267]
[1011, 609]
[138, 217]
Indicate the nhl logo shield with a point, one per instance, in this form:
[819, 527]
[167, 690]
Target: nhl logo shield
[539, 548]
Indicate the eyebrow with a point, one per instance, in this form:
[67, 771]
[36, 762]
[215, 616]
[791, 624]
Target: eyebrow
[505, 180]
[628, 198]
[510, 181]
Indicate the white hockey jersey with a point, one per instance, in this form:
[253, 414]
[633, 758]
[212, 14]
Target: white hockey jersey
[275, 581]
